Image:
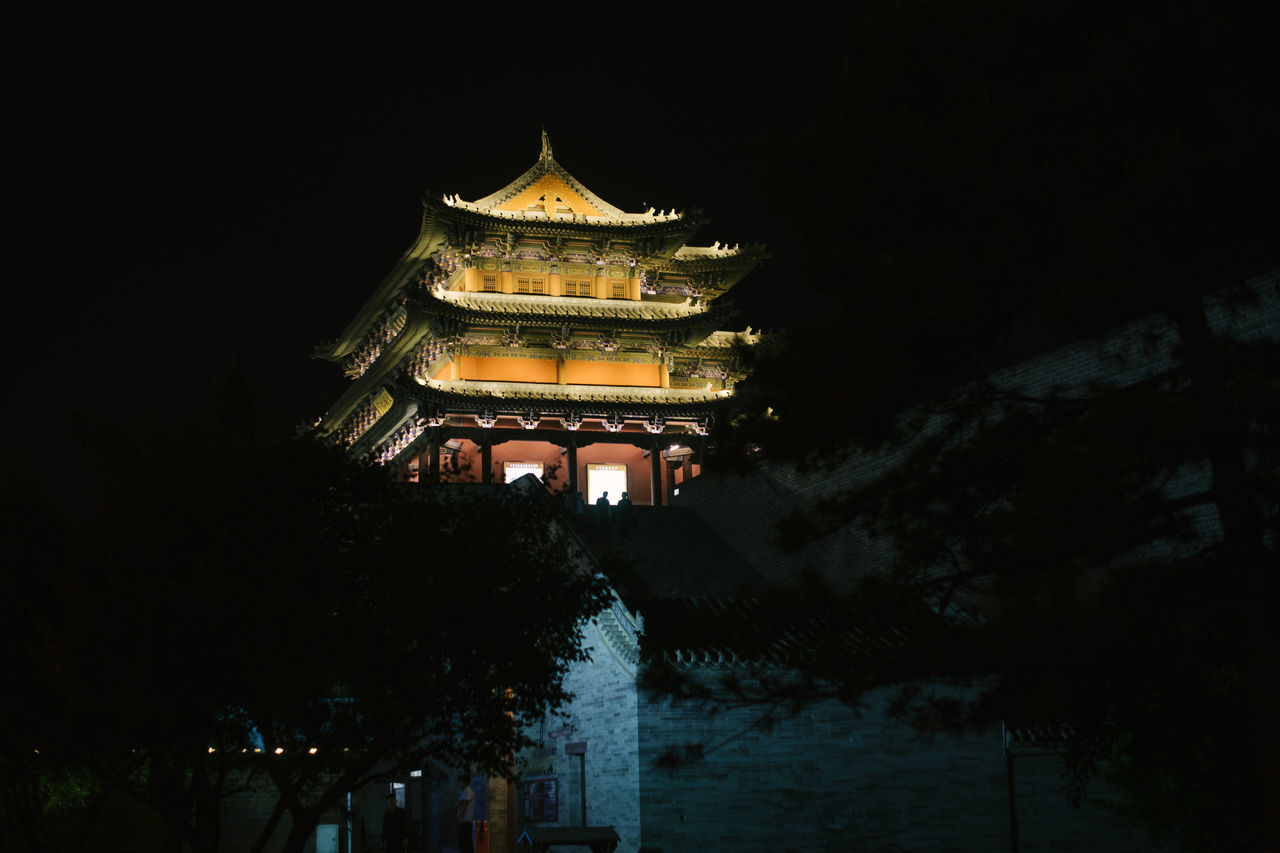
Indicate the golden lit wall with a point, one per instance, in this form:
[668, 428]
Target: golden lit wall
[482, 368]
[508, 369]
[607, 373]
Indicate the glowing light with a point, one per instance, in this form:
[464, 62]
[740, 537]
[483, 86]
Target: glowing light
[211, 750]
[311, 751]
[279, 749]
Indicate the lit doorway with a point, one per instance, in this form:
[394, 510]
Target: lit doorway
[515, 470]
[604, 477]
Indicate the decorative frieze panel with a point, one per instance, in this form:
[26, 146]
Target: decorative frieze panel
[403, 437]
[701, 369]
[436, 272]
[661, 285]
[382, 333]
[603, 343]
[360, 422]
[483, 338]
[428, 360]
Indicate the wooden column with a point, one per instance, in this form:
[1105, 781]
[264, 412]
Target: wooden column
[486, 461]
[433, 459]
[573, 466]
[655, 473]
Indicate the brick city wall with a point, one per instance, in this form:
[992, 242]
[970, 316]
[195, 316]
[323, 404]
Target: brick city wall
[829, 779]
[603, 714]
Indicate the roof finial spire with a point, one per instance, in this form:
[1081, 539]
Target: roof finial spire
[546, 146]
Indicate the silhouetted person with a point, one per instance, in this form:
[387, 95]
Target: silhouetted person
[395, 827]
[602, 511]
[624, 514]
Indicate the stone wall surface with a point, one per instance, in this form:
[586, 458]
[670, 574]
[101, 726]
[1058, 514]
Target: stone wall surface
[603, 714]
[828, 779]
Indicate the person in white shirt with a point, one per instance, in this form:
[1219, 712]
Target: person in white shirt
[466, 814]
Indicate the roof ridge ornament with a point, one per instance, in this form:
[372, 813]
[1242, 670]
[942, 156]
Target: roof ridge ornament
[547, 192]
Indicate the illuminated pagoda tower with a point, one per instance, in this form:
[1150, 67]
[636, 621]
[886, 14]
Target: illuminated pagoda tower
[541, 329]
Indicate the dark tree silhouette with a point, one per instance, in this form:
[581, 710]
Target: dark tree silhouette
[236, 594]
[1001, 180]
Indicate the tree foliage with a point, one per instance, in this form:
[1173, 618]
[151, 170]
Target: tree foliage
[1014, 177]
[243, 613]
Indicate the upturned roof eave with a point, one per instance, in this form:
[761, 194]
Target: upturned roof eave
[557, 314]
[430, 238]
[685, 224]
[615, 217]
[522, 394]
[378, 373]
[743, 259]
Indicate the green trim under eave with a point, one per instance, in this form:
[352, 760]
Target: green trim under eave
[405, 345]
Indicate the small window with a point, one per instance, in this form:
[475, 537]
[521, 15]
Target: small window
[538, 285]
[490, 284]
[619, 290]
[522, 285]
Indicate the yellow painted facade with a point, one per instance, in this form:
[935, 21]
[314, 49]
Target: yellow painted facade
[610, 373]
[601, 286]
[554, 196]
[553, 371]
[507, 369]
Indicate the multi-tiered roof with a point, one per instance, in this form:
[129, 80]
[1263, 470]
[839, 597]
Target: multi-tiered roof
[541, 306]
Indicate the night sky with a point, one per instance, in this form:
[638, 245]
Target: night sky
[204, 192]
[197, 194]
